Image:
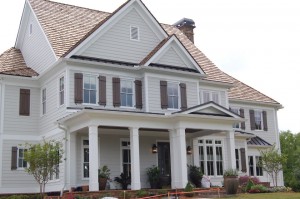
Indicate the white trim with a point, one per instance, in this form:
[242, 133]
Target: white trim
[84, 75]
[133, 92]
[2, 98]
[42, 102]
[62, 75]
[121, 151]
[67, 88]
[179, 95]
[82, 147]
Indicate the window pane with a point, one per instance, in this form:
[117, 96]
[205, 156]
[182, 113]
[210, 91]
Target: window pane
[86, 155]
[251, 169]
[86, 170]
[206, 97]
[215, 97]
[129, 100]
[86, 96]
[258, 120]
[93, 97]
[85, 142]
[173, 95]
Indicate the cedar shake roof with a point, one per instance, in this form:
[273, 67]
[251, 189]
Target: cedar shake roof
[12, 63]
[66, 26]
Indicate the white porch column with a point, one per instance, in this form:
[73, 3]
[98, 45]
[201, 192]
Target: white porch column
[71, 161]
[178, 158]
[231, 150]
[93, 158]
[135, 158]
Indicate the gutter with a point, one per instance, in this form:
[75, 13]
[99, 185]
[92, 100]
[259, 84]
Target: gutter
[64, 128]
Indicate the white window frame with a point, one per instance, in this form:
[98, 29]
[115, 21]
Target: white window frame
[85, 75]
[122, 80]
[44, 101]
[138, 33]
[61, 92]
[261, 118]
[236, 110]
[121, 151]
[214, 145]
[179, 94]
[18, 158]
[82, 156]
[210, 94]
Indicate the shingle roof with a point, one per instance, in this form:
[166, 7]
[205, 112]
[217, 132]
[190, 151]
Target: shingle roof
[12, 63]
[67, 25]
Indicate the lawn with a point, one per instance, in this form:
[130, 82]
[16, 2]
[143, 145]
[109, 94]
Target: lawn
[278, 195]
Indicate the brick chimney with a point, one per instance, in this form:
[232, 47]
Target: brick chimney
[186, 26]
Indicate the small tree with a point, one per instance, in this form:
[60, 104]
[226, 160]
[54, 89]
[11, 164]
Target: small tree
[271, 162]
[43, 159]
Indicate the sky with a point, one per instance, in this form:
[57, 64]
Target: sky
[256, 41]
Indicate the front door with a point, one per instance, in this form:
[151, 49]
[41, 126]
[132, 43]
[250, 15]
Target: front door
[164, 161]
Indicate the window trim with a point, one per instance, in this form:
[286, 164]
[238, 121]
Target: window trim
[18, 152]
[238, 113]
[210, 92]
[254, 166]
[262, 120]
[178, 96]
[61, 91]
[96, 89]
[82, 156]
[121, 151]
[138, 33]
[133, 93]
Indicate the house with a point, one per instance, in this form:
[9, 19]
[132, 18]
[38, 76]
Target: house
[116, 86]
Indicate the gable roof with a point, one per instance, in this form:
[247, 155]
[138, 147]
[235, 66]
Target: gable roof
[12, 63]
[66, 26]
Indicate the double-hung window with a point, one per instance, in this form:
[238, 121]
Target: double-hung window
[258, 119]
[173, 95]
[21, 161]
[127, 99]
[61, 91]
[44, 99]
[211, 157]
[89, 89]
[86, 161]
[126, 159]
[255, 169]
[259, 170]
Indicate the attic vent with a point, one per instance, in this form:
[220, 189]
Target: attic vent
[134, 33]
[30, 29]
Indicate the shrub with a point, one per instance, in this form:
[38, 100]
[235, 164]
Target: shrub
[195, 175]
[189, 188]
[250, 183]
[142, 193]
[258, 189]
[243, 180]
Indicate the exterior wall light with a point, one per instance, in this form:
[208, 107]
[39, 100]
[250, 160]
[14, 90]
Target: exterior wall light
[189, 150]
[154, 148]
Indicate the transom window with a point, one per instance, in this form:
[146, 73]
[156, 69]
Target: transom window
[258, 118]
[85, 164]
[173, 95]
[61, 90]
[126, 158]
[21, 161]
[127, 93]
[89, 89]
[211, 157]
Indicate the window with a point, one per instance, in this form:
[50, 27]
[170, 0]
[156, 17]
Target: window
[237, 159]
[173, 95]
[126, 159]
[44, 101]
[61, 91]
[208, 96]
[85, 164]
[259, 170]
[258, 120]
[236, 111]
[89, 89]
[127, 93]
[211, 157]
[21, 162]
[251, 166]
[55, 175]
[134, 33]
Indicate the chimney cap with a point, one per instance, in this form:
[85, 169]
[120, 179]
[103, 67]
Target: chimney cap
[184, 22]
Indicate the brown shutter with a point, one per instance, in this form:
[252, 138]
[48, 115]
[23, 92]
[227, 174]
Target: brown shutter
[243, 160]
[183, 96]
[138, 94]
[242, 114]
[78, 88]
[24, 106]
[116, 91]
[163, 94]
[14, 158]
[102, 90]
[265, 121]
[252, 119]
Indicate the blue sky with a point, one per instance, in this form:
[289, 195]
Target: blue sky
[258, 42]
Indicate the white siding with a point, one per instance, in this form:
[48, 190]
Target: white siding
[115, 44]
[171, 58]
[35, 47]
[13, 122]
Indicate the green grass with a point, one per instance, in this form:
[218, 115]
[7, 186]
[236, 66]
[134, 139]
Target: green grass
[278, 195]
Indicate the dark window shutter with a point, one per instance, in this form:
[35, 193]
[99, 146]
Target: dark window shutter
[163, 94]
[14, 158]
[252, 119]
[116, 91]
[78, 88]
[242, 114]
[102, 90]
[243, 160]
[265, 121]
[24, 107]
[183, 96]
[138, 94]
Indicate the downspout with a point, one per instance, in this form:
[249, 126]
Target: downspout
[64, 128]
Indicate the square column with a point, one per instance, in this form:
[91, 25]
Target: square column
[93, 158]
[135, 158]
[178, 158]
[231, 150]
